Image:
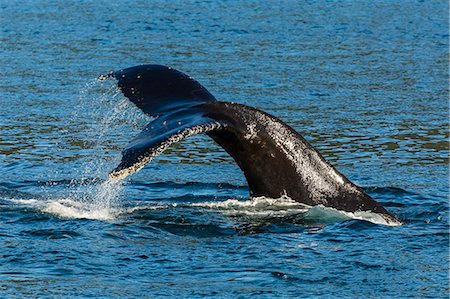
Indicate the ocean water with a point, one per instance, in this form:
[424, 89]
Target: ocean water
[366, 83]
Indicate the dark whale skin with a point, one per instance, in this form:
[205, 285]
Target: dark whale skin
[275, 159]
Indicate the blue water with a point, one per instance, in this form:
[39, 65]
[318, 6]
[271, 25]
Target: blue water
[365, 82]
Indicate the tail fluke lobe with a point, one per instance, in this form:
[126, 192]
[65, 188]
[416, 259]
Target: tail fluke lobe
[159, 134]
[157, 89]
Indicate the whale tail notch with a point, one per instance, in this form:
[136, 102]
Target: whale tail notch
[275, 159]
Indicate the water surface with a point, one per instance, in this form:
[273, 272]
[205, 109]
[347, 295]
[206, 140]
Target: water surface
[365, 83]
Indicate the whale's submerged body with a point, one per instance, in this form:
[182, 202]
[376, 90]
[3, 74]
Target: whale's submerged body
[275, 159]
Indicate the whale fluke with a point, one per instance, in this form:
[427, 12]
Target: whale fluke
[157, 89]
[275, 159]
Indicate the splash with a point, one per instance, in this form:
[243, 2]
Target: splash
[101, 123]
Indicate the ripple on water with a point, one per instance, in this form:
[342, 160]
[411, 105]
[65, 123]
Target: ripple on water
[365, 82]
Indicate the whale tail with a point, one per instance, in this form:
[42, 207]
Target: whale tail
[275, 159]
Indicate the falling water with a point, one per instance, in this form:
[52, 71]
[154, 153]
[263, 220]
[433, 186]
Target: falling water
[108, 121]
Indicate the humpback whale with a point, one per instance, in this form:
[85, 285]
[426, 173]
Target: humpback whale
[275, 159]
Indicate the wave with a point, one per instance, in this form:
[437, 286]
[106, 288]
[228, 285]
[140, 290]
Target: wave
[331, 213]
[256, 209]
[285, 206]
[102, 203]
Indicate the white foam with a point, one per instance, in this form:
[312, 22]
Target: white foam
[66, 211]
[68, 208]
[256, 203]
[285, 206]
[131, 210]
[321, 212]
[257, 207]
[373, 217]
